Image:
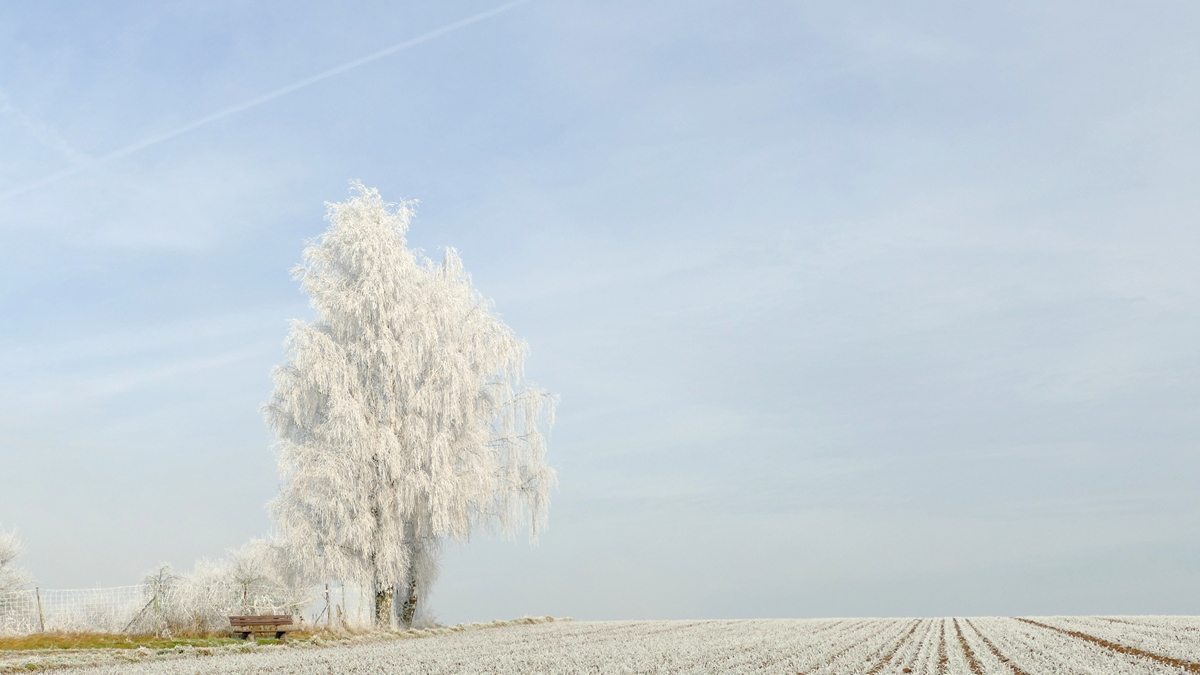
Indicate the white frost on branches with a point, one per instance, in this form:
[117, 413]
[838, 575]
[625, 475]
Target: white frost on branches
[401, 412]
[255, 579]
[12, 578]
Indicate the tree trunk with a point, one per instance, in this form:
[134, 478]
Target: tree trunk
[408, 589]
[384, 593]
[383, 606]
[409, 609]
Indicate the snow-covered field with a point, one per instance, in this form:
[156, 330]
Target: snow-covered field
[974, 646]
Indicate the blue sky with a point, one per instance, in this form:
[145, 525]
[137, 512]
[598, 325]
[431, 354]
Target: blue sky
[857, 308]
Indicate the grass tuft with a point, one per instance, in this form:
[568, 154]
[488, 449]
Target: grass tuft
[41, 641]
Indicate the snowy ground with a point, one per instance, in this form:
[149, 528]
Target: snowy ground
[975, 646]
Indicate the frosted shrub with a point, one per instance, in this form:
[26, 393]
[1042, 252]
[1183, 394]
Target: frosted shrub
[12, 578]
[401, 412]
[255, 579]
[15, 607]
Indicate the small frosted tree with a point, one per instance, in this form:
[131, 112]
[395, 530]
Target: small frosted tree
[12, 578]
[402, 415]
[254, 579]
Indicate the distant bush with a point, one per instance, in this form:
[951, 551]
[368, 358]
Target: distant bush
[12, 578]
[255, 579]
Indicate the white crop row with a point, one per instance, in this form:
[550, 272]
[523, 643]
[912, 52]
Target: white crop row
[1175, 641]
[1036, 650]
[977, 646]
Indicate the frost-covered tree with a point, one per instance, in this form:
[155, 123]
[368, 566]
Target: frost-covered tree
[12, 578]
[402, 415]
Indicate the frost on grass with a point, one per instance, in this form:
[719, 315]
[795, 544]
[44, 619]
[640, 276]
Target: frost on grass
[943, 646]
[402, 415]
[80, 650]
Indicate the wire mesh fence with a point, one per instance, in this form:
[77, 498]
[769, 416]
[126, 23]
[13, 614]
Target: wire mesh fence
[174, 608]
[91, 609]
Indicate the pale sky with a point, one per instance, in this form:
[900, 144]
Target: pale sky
[854, 308]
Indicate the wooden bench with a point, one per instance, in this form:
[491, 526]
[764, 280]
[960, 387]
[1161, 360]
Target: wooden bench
[246, 626]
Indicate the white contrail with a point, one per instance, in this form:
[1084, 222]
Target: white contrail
[43, 133]
[233, 110]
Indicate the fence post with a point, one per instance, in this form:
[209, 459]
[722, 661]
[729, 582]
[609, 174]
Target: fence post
[328, 618]
[41, 615]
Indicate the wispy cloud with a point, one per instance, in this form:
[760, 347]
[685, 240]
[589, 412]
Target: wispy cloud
[44, 133]
[254, 102]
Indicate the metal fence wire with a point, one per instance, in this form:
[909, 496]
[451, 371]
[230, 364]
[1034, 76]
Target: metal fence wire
[159, 608]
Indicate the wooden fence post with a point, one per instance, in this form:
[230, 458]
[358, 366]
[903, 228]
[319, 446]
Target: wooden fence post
[41, 615]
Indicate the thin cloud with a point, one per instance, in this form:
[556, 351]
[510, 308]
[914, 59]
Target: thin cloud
[254, 102]
[42, 132]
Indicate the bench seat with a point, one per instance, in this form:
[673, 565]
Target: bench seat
[247, 625]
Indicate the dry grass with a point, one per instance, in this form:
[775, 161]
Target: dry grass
[317, 636]
[121, 641]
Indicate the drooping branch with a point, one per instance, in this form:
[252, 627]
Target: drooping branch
[401, 414]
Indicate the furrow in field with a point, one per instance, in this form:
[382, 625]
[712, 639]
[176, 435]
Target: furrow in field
[983, 646]
[747, 646]
[1189, 666]
[790, 653]
[536, 650]
[872, 637]
[1181, 623]
[943, 662]
[786, 654]
[773, 646]
[767, 646]
[592, 649]
[852, 657]
[757, 644]
[911, 649]
[625, 632]
[879, 653]
[926, 658]
[522, 645]
[644, 642]
[708, 641]
[878, 636]
[1038, 650]
[909, 655]
[972, 660]
[887, 658]
[1179, 641]
[1179, 630]
[651, 628]
[477, 652]
[933, 650]
[959, 661]
[1128, 621]
[995, 652]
